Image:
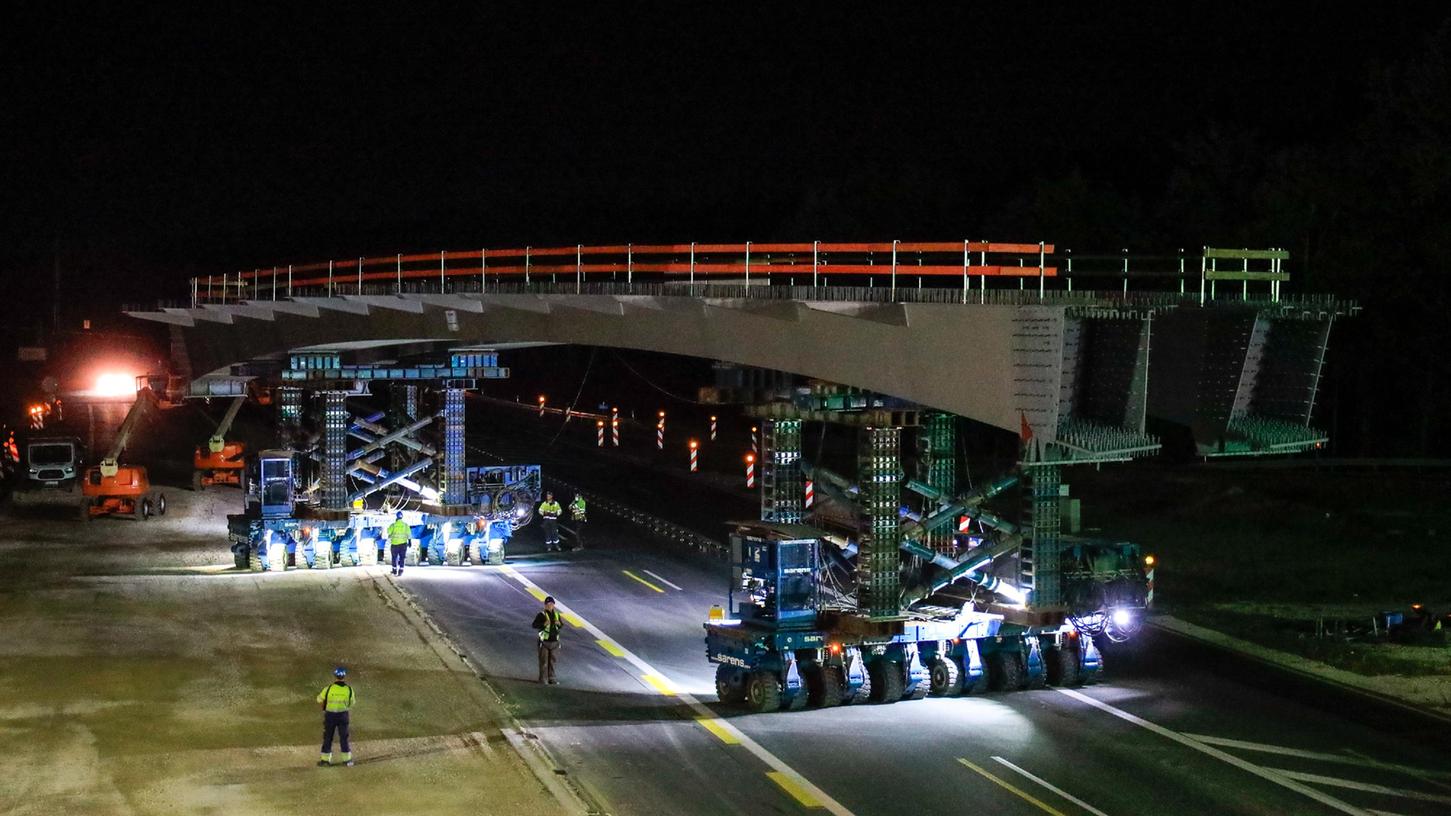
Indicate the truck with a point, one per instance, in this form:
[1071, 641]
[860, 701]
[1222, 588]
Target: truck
[48, 471]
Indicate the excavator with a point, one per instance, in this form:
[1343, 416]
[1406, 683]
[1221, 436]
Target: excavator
[110, 488]
[220, 462]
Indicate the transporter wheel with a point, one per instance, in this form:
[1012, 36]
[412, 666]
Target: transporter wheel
[455, 558]
[242, 557]
[160, 504]
[730, 684]
[143, 509]
[827, 685]
[85, 509]
[946, 677]
[763, 692]
[197, 483]
[1005, 671]
[888, 684]
[1062, 666]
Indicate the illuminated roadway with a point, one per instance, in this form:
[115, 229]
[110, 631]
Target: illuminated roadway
[634, 723]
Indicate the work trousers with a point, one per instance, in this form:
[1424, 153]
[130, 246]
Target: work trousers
[335, 722]
[551, 533]
[547, 650]
[400, 552]
[579, 534]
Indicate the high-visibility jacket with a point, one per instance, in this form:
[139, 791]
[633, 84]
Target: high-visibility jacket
[577, 508]
[336, 697]
[399, 533]
[550, 509]
[549, 623]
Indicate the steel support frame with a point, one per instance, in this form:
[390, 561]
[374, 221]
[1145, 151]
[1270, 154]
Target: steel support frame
[454, 487]
[937, 465]
[1038, 560]
[781, 481]
[333, 493]
[879, 472]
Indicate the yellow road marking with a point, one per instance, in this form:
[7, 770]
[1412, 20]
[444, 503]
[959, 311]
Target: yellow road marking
[642, 580]
[1024, 795]
[713, 725]
[537, 592]
[573, 620]
[790, 785]
[660, 683]
[611, 647]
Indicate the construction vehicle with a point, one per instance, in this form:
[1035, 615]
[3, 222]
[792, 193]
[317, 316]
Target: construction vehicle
[280, 528]
[220, 462]
[791, 635]
[111, 488]
[887, 588]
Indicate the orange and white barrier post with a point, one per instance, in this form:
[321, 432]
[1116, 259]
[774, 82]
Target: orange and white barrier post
[660, 432]
[755, 446]
[541, 406]
[712, 429]
[599, 433]
[615, 431]
[694, 456]
[810, 497]
[750, 470]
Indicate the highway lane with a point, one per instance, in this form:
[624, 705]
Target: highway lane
[1261, 743]
[637, 749]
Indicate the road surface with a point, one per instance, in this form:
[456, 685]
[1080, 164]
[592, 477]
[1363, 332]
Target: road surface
[634, 721]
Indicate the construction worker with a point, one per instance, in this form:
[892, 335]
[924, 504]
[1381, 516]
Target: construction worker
[577, 515]
[549, 623]
[398, 535]
[549, 511]
[336, 701]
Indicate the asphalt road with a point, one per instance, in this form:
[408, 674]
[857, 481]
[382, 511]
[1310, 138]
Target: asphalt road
[1174, 729]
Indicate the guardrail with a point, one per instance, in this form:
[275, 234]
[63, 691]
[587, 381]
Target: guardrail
[892, 271]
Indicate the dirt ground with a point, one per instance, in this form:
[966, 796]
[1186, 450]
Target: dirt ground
[140, 673]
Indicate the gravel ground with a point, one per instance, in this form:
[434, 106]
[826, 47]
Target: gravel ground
[141, 673]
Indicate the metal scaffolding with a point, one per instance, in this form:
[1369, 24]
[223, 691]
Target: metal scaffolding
[453, 487]
[879, 468]
[334, 486]
[937, 466]
[781, 482]
[1041, 525]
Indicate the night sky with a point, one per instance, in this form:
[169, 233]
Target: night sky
[143, 146]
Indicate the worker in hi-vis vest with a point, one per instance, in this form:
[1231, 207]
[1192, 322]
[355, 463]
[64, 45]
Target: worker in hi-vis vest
[549, 511]
[336, 701]
[549, 623]
[398, 534]
[577, 514]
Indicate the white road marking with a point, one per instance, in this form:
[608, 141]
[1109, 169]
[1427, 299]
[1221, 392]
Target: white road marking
[1249, 767]
[1050, 786]
[657, 577]
[701, 710]
[1350, 784]
[1321, 756]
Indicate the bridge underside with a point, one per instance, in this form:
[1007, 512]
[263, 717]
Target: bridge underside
[1079, 377]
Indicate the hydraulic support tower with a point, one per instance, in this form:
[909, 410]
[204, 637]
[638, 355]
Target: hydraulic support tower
[781, 483]
[880, 475]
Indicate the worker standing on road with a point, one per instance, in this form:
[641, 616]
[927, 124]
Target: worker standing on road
[549, 623]
[577, 515]
[398, 534]
[549, 511]
[336, 701]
